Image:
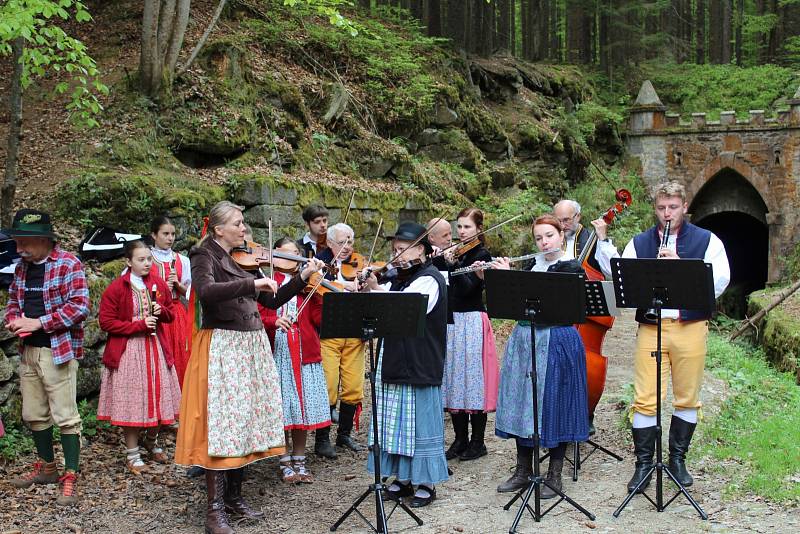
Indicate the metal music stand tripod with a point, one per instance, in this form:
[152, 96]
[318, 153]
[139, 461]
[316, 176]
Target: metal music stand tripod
[656, 284]
[600, 302]
[369, 316]
[543, 299]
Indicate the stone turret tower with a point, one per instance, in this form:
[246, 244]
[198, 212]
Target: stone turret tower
[647, 113]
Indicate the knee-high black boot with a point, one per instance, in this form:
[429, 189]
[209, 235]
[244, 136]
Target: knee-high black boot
[322, 443]
[477, 447]
[461, 428]
[680, 436]
[347, 413]
[644, 444]
[554, 472]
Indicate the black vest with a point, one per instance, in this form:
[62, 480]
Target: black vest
[419, 361]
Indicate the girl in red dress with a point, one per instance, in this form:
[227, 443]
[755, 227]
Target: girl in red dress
[175, 270]
[139, 388]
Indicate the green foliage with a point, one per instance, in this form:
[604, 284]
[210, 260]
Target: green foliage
[391, 60]
[759, 425]
[596, 195]
[625, 406]
[793, 264]
[131, 201]
[687, 88]
[16, 442]
[49, 48]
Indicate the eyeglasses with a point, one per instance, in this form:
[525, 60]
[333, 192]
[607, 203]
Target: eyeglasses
[343, 243]
[565, 220]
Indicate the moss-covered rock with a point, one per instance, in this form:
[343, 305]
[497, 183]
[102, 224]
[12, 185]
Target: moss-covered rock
[778, 333]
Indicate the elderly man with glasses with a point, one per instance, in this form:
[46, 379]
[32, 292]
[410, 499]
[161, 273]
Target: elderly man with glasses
[568, 213]
[342, 358]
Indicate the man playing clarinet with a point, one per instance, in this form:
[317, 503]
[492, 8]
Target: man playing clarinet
[683, 337]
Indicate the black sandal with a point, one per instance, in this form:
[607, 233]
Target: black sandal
[406, 490]
[419, 502]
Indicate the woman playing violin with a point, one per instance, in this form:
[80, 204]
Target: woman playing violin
[561, 374]
[295, 343]
[231, 406]
[342, 358]
[409, 376]
[470, 375]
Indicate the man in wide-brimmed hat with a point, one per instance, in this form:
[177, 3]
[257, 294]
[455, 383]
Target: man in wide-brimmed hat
[48, 303]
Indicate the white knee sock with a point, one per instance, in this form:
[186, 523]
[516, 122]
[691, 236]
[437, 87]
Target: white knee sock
[641, 420]
[687, 414]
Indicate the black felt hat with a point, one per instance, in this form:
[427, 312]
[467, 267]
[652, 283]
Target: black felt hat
[410, 231]
[31, 223]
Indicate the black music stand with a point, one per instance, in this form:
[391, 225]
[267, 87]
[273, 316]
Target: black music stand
[656, 284]
[543, 299]
[599, 303]
[367, 316]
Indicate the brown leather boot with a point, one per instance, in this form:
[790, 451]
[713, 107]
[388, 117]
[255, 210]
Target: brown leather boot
[216, 518]
[234, 503]
[69, 489]
[41, 473]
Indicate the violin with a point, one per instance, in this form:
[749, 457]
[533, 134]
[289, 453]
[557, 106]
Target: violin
[251, 256]
[319, 285]
[465, 246]
[357, 264]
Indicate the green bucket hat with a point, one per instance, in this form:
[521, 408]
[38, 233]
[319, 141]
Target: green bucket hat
[31, 223]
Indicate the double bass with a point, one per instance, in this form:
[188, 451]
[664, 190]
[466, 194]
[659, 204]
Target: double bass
[593, 331]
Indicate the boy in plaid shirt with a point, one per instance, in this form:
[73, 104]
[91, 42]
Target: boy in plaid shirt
[48, 303]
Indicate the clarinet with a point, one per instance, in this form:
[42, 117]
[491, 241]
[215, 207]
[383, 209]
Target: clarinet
[651, 314]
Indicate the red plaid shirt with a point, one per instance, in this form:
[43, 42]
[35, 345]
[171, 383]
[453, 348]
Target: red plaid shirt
[66, 303]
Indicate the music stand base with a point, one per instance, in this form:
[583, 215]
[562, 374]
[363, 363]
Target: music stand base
[659, 469]
[534, 490]
[577, 460]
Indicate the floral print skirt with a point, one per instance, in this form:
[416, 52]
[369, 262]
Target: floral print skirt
[231, 411]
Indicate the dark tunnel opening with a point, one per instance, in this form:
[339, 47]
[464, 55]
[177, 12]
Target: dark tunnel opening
[746, 241]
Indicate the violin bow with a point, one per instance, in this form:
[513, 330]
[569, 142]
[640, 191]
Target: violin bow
[375, 241]
[269, 245]
[350, 203]
[498, 225]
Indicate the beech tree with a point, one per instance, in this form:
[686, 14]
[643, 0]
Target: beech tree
[164, 25]
[30, 34]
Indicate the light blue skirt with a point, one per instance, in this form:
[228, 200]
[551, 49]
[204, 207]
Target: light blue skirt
[428, 465]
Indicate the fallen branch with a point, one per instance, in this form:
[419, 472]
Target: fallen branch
[204, 38]
[751, 322]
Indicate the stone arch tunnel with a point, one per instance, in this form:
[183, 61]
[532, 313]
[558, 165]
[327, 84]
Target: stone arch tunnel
[732, 208]
[742, 179]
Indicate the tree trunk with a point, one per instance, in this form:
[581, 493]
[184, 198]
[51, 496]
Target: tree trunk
[739, 24]
[504, 28]
[163, 28]
[365, 4]
[456, 22]
[9, 188]
[555, 41]
[415, 6]
[700, 32]
[434, 18]
[726, 22]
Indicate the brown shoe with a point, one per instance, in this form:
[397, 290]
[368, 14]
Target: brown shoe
[69, 489]
[216, 518]
[154, 452]
[235, 505]
[41, 473]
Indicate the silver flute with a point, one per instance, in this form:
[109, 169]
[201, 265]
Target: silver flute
[651, 314]
[476, 267]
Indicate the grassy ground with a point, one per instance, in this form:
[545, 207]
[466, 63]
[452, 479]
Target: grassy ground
[759, 426]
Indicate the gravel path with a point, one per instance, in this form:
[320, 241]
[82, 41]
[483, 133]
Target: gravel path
[468, 503]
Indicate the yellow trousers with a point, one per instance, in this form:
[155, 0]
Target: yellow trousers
[683, 348]
[343, 361]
